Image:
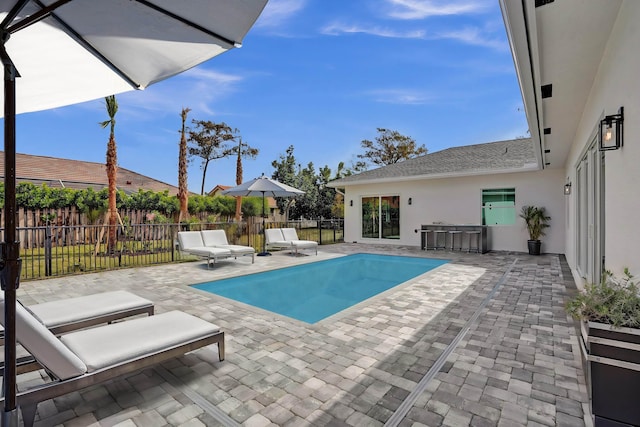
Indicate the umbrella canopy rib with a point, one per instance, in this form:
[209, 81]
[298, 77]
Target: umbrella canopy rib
[191, 24]
[84, 43]
[33, 18]
[47, 12]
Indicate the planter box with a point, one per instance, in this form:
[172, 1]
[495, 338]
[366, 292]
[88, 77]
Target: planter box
[612, 357]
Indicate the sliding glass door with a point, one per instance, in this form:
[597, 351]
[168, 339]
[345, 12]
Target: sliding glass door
[590, 215]
[381, 217]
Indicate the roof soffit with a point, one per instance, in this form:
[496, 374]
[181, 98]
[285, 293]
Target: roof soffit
[560, 43]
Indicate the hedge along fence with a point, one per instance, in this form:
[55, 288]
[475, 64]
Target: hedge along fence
[39, 206]
[65, 224]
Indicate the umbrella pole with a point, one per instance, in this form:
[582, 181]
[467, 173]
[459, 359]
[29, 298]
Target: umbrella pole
[10, 248]
[264, 232]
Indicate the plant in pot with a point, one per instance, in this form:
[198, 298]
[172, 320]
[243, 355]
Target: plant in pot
[609, 313]
[536, 220]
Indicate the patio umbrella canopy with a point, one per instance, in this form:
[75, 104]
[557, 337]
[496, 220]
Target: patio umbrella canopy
[62, 52]
[263, 186]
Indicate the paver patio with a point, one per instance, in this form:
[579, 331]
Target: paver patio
[481, 341]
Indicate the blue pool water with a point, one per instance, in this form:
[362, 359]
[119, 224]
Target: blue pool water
[314, 291]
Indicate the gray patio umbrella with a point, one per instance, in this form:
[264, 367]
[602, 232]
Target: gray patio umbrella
[263, 186]
[61, 52]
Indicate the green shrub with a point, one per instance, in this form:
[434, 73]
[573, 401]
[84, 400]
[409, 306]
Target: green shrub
[614, 301]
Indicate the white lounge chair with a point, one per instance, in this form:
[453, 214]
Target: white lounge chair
[275, 240]
[191, 242]
[76, 313]
[91, 356]
[218, 239]
[291, 235]
[287, 238]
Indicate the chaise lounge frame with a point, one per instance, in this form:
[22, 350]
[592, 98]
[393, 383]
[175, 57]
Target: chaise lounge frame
[218, 239]
[37, 336]
[210, 253]
[28, 400]
[275, 238]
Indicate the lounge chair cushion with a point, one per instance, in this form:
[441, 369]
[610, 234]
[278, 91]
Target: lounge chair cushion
[191, 242]
[210, 252]
[275, 238]
[56, 313]
[291, 235]
[214, 238]
[218, 239]
[120, 342]
[43, 345]
[190, 239]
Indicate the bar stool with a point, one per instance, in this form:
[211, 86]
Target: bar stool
[436, 239]
[453, 234]
[475, 235]
[428, 233]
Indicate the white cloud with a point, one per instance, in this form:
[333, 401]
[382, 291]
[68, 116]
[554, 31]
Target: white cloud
[198, 89]
[421, 9]
[473, 36]
[400, 96]
[336, 29]
[276, 12]
[470, 35]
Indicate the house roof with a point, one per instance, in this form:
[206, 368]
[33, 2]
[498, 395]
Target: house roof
[77, 174]
[514, 155]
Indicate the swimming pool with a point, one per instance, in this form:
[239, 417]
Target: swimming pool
[312, 292]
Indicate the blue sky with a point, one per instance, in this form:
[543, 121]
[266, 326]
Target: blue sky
[320, 75]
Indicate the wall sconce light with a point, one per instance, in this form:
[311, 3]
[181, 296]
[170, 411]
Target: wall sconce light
[567, 189]
[351, 203]
[611, 137]
[410, 201]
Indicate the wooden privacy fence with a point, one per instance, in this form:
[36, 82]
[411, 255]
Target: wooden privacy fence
[73, 218]
[55, 250]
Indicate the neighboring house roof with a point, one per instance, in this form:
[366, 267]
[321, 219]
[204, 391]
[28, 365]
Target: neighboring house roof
[516, 155]
[218, 189]
[77, 174]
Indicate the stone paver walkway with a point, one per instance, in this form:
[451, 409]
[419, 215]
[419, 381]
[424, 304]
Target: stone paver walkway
[516, 361]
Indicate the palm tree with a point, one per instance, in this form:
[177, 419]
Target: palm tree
[112, 168]
[183, 193]
[243, 150]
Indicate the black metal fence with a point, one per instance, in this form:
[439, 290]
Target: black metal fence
[61, 250]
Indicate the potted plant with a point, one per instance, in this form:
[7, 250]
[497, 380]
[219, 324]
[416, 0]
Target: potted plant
[536, 220]
[609, 313]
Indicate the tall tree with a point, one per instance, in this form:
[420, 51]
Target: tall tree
[389, 147]
[210, 142]
[326, 195]
[112, 168]
[285, 172]
[242, 150]
[183, 191]
[337, 207]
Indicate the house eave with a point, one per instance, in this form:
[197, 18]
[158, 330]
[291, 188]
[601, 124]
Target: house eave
[387, 180]
[521, 33]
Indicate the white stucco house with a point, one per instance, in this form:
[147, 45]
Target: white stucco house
[578, 66]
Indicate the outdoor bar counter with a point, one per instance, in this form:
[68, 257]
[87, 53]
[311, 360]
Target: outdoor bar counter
[428, 239]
